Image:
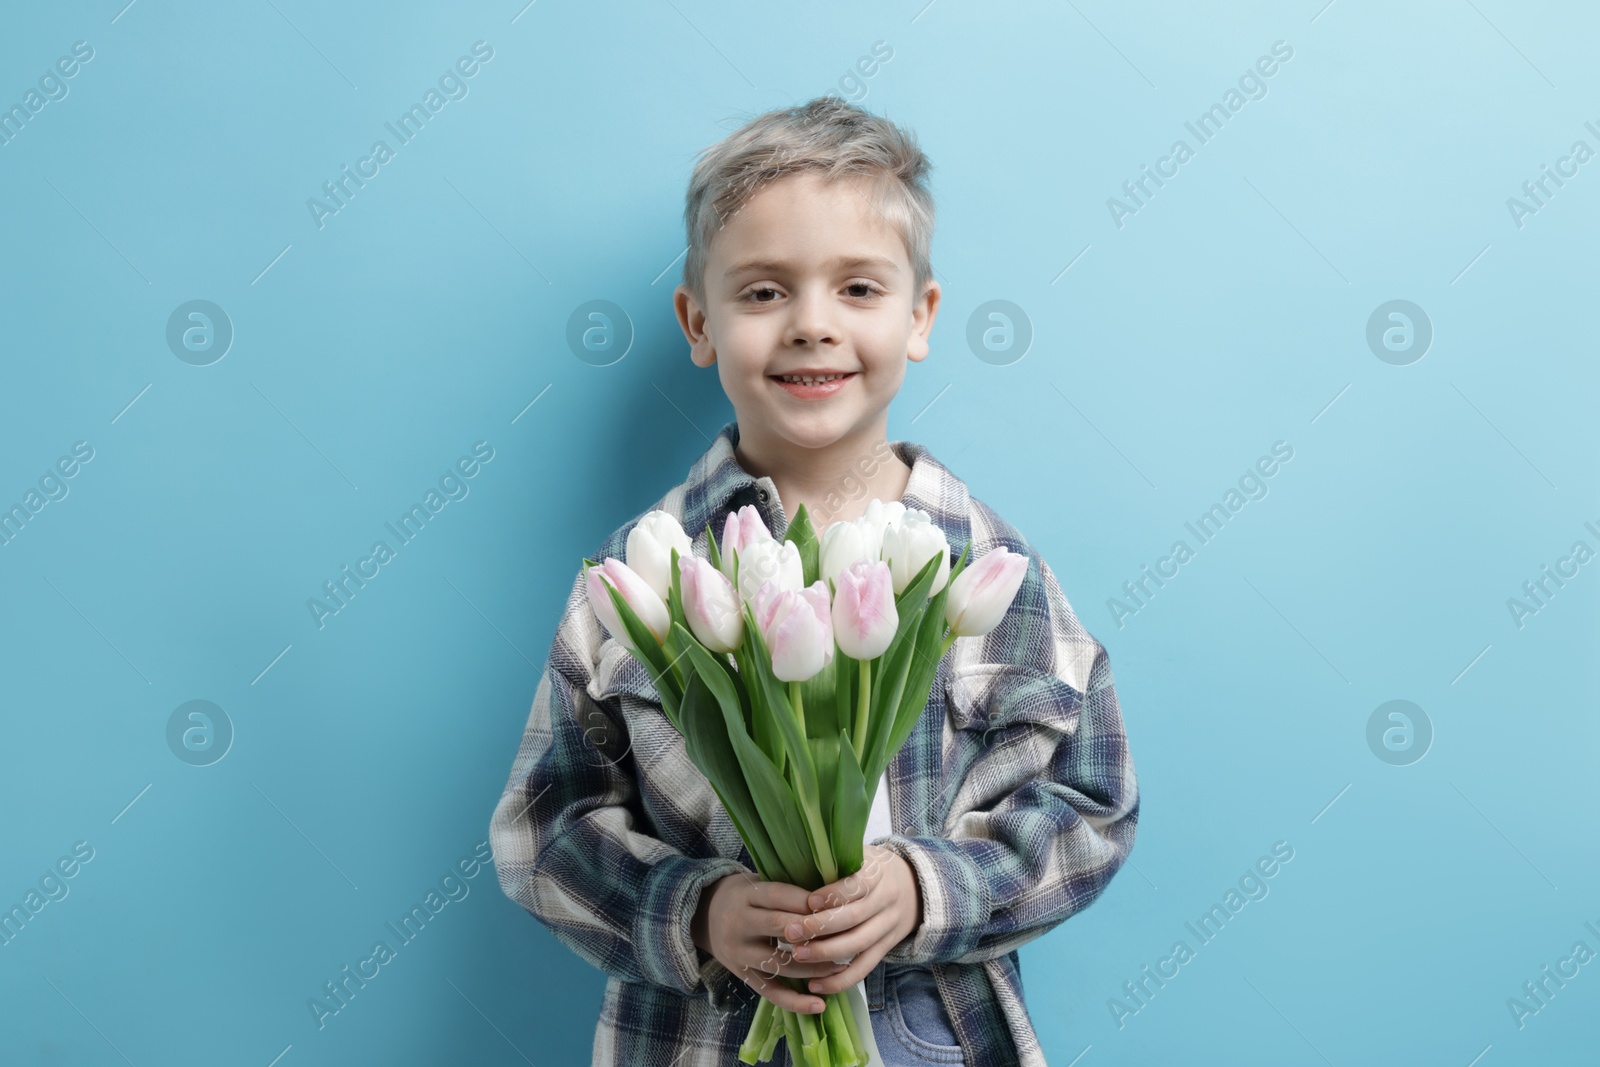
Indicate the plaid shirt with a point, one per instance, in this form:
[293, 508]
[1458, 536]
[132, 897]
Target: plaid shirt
[1014, 801]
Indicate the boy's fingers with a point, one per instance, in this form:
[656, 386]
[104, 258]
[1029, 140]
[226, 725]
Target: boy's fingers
[781, 995]
[858, 969]
[851, 887]
[777, 923]
[780, 896]
[855, 940]
[804, 969]
[829, 921]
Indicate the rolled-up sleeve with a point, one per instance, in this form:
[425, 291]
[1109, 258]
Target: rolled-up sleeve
[564, 838]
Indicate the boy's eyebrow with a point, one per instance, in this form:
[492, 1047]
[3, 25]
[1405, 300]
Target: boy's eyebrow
[881, 262]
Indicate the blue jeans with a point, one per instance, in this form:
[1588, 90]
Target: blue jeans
[909, 1021]
[912, 1027]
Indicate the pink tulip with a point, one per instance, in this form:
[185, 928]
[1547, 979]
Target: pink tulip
[715, 613]
[864, 615]
[982, 592]
[742, 529]
[650, 608]
[797, 627]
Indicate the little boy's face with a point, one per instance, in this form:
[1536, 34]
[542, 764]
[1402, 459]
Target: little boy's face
[808, 277]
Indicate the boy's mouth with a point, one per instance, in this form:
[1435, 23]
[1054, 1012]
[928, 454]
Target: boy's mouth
[812, 386]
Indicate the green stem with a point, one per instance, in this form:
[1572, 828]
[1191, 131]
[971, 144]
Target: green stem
[839, 1038]
[773, 1032]
[950, 639]
[812, 815]
[850, 1026]
[791, 1035]
[863, 709]
[807, 1026]
[750, 1050]
[769, 1044]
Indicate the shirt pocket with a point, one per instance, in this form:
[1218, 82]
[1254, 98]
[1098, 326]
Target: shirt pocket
[1008, 723]
[618, 672]
[983, 698]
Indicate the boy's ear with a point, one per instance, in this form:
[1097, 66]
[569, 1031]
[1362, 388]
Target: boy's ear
[923, 311]
[692, 320]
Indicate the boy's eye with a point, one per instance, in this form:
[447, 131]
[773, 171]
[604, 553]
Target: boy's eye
[859, 290]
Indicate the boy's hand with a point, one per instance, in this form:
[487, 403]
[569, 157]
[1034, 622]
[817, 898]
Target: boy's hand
[736, 921]
[867, 913]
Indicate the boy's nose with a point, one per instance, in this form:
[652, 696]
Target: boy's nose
[811, 322]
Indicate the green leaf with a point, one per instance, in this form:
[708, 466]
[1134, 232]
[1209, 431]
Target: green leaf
[711, 548]
[804, 537]
[780, 814]
[817, 694]
[825, 753]
[850, 808]
[886, 691]
[706, 738]
[888, 680]
[924, 666]
[755, 762]
[763, 716]
[768, 690]
[846, 678]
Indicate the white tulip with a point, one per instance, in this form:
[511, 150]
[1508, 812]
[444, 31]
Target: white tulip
[843, 543]
[770, 560]
[908, 543]
[649, 549]
[880, 513]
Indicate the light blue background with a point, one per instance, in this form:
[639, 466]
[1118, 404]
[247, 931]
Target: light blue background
[370, 354]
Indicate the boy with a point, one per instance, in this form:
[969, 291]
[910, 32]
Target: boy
[1014, 800]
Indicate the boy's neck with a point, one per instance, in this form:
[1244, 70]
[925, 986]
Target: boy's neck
[833, 482]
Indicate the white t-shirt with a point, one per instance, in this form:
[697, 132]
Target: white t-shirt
[878, 817]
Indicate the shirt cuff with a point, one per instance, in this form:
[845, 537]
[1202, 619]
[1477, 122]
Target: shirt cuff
[661, 937]
[955, 899]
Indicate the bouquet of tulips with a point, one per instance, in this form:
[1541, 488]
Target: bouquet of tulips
[795, 670]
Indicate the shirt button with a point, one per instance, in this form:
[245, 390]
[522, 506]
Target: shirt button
[763, 495]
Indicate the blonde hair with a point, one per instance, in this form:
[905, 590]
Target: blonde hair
[829, 134]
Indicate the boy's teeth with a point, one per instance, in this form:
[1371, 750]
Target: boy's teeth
[809, 380]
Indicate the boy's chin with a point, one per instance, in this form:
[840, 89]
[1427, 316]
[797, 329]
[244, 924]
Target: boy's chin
[811, 430]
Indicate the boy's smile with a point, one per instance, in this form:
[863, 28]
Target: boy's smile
[808, 280]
